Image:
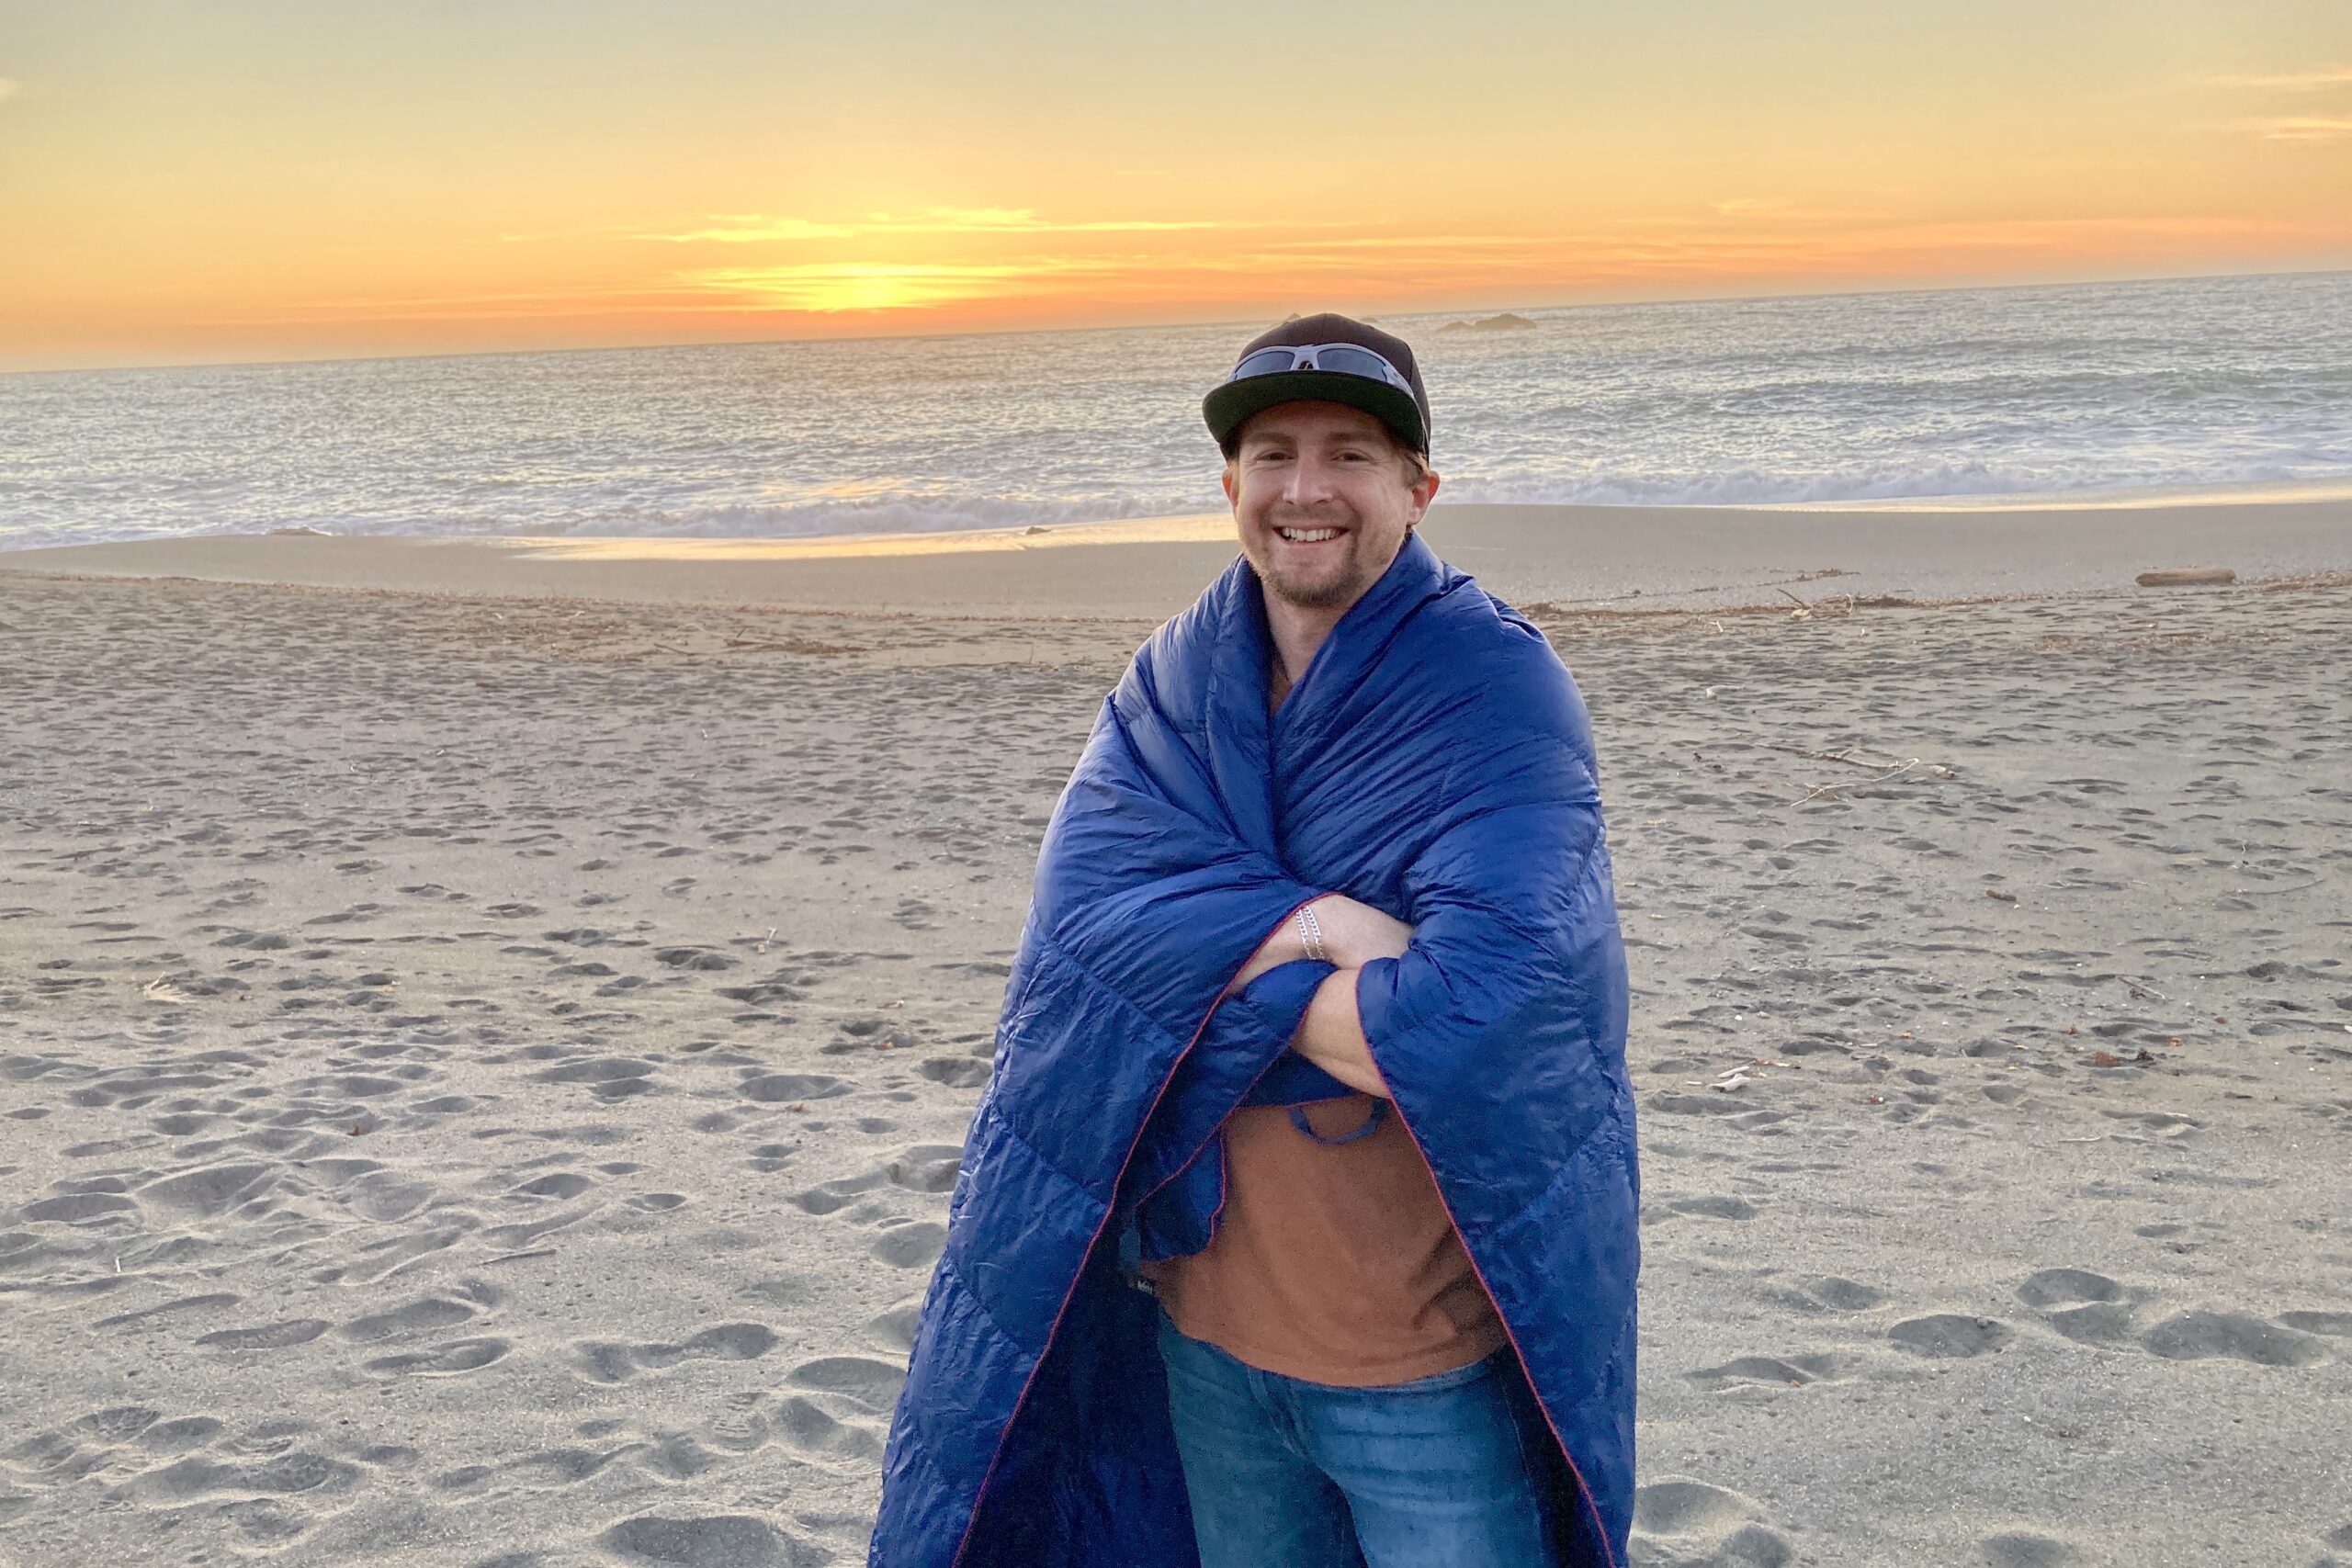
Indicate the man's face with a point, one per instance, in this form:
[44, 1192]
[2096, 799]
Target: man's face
[1323, 499]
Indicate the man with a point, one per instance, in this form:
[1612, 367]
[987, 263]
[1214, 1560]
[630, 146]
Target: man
[1316, 1031]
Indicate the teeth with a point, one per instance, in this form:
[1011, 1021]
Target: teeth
[1307, 536]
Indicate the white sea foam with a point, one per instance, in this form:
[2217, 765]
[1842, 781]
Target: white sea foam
[1796, 402]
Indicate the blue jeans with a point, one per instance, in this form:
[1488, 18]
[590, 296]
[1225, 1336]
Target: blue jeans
[1283, 1474]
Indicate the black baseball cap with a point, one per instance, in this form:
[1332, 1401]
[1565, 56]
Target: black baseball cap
[1230, 406]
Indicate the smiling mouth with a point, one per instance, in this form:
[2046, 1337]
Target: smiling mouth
[1306, 535]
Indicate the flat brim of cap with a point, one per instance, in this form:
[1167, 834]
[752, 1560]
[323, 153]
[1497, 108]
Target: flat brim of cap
[1230, 407]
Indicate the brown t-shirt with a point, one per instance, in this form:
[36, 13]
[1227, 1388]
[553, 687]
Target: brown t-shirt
[1332, 1262]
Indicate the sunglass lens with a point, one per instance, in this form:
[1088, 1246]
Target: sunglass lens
[1353, 362]
[1265, 362]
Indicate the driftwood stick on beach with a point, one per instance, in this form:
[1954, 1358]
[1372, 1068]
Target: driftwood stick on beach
[1846, 756]
[2186, 577]
[1824, 792]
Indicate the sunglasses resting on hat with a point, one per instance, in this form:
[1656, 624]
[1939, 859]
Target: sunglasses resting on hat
[1341, 359]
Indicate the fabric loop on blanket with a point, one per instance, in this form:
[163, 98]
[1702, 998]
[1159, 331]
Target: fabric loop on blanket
[1372, 1119]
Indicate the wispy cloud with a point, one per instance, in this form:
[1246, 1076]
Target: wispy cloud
[2293, 81]
[745, 228]
[1413, 242]
[829, 288]
[1775, 209]
[2300, 128]
[2329, 125]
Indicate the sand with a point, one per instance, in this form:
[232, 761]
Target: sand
[485, 1038]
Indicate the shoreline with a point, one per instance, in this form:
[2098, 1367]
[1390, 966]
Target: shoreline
[1567, 557]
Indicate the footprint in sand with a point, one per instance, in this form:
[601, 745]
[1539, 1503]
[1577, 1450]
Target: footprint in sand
[896, 1327]
[914, 1245]
[188, 1479]
[119, 1425]
[656, 1202]
[1792, 1371]
[267, 1336]
[2088, 1308]
[209, 1192]
[2022, 1549]
[790, 1088]
[926, 1168]
[2195, 1335]
[1949, 1336]
[870, 1383]
[1818, 1293]
[703, 959]
[955, 1072]
[602, 1362]
[75, 1208]
[1680, 1523]
[2060, 1287]
[809, 1430]
[442, 1360]
[428, 1314]
[179, 1436]
[607, 1078]
[560, 1184]
[720, 1541]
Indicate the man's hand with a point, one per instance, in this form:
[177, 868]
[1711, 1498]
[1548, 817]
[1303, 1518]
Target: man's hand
[1353, 935]
[1332, 1037]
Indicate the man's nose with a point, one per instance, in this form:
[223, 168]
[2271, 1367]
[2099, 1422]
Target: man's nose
[1310, 482]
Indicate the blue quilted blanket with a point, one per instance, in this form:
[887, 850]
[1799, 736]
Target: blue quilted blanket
[1434, 762]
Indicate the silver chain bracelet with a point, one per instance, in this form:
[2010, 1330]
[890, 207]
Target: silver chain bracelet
[1310, 934]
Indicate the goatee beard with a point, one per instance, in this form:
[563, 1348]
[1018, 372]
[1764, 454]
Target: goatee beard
[1340, 591]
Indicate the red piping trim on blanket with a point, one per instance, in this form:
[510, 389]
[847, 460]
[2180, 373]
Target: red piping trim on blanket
[1224, 1182]
[964, 1542]
[1584, 1491]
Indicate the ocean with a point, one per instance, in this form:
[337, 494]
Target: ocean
[1892, 397]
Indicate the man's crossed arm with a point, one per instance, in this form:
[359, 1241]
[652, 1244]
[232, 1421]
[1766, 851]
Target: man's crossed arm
[1331, 1035]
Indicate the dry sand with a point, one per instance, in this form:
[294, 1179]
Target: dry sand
[481, 1074]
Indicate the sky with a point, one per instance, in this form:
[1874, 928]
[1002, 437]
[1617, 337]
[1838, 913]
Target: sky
[217, 180]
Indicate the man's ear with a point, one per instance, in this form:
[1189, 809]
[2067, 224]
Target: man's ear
[1424, 492]
[1232, 490]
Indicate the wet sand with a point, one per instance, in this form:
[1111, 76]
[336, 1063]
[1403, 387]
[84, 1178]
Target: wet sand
[483, 1048]
[1575, 557]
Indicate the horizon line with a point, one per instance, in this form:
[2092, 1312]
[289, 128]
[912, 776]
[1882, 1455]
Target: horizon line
[1838, 293]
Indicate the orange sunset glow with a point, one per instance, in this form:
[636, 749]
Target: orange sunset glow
[248, 181]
